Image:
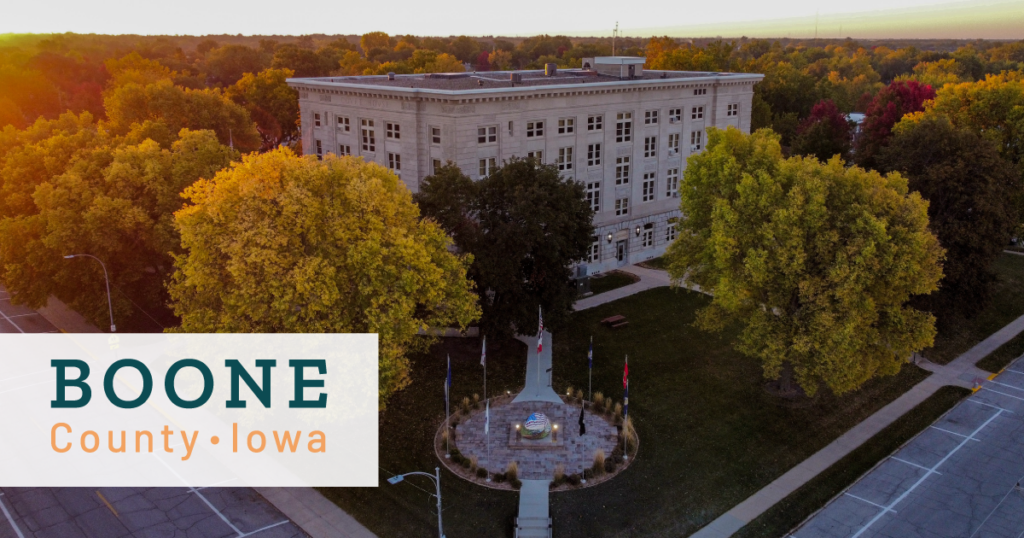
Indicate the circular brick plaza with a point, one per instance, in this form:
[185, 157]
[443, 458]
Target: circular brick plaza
[537, 459]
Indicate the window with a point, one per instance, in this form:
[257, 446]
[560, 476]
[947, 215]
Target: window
[534, 129]
[316, 119]
[564, 161]
[650, 147]
[435, 135]
[510, 130]
[395, 163]
[648, 187]
[393, 131]
[647, 238]
[319, 149]
[651, 117]
[621, 170]
[343, 124]
[621, 206]
[696, 140]
[732, 110]
[595, 123]
[437, 165]
[487, 135]
[594, 252]
[675, 115]
[594, 195]
[672, 183]
[594, 155]
[487, 166]
[697, 113]
[539, 155]
[624, 127]
[567, 125]
[700, 91]
[670, 232]
[369, 139]
[344, 149]
[673, 144]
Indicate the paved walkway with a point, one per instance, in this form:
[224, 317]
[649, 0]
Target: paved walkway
[314, 514]
[649, 278]
[1014, 252]
[960, 372]
[533, 510]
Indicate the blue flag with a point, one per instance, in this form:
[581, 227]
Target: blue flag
[590, 354]
[625, 402]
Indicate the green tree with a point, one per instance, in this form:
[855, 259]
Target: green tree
[227, 64]
[825, 133]
[525, 227]
[282, 243]
[374, 40]
[970, 191]
[814, 260]
[271, 102]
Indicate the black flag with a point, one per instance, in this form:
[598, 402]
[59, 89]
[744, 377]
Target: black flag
[583, 427]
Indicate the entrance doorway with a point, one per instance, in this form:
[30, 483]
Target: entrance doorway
[620, 253]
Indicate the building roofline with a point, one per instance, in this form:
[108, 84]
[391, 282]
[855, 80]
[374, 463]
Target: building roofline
[525, 88]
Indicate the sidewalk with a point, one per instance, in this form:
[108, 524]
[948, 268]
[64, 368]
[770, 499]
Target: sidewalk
[313, 513]
[960, 372]
[649, 278]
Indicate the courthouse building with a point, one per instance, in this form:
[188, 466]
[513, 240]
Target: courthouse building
[623, 131]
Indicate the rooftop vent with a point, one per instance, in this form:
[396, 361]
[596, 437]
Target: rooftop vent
[479, 82]
[515, 78]
[550, 69]
[391, 75]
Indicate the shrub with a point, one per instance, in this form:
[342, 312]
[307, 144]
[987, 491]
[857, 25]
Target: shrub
[559, 474]
[609, 465]
[472, 463]
[568, 393]
[609, 405]
[579, 395]
[598, 401]
[476, 401]
[516, 483]
[598, 467]
[481, 472]
[573, 479]
[617, 453]
[629, 435]
[499, 477]
[588, 474]
[466, 463]
[618, 410]
[465, 406]
[512, 471]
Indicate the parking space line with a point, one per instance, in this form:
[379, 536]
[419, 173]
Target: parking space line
[1015, 486]
[10, 519]
[915, 465]
[973, 400]
[217, 484]
[201, 496]
[1004, 394]
[106, 502]
[268, 527]
[926, 475]
[871, 503]
[24, 375]
[25, 387]
[969, 438]
[23, 315]
[1013, 371]
[9, 320]
[1005, 385]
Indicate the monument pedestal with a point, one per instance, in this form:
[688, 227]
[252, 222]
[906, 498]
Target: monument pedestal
[515, 440]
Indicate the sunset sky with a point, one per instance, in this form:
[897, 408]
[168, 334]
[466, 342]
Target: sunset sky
[754, 18]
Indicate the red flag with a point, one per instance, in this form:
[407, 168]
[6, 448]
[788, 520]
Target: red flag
[625, 373]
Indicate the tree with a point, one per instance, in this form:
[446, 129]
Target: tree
[814, 261]
[271, 102]
[826, 132]
[970, 191]
[302, 62]
[180, 108]
[500, 60]
[282, 243]
[227, 64]
[888, 107]
[525, 227]
[374, 40]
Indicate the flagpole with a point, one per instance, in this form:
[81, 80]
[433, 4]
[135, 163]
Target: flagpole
[447, 412]
[590, 370]
[625, 414]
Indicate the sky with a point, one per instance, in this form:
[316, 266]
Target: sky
[991, 19]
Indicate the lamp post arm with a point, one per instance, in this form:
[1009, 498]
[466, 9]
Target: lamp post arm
[106, 278]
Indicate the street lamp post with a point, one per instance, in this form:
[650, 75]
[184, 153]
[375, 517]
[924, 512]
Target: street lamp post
[436, 478]
[110, 306]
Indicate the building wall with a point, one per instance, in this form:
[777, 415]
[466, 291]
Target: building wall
[460, 118]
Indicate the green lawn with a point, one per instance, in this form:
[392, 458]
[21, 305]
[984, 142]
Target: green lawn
[998, 359]
[1007, 305]
[655, 263]
[610, 281]
[710, 436]
[803, 502]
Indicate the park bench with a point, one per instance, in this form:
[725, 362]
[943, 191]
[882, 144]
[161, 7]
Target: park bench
[615, 322]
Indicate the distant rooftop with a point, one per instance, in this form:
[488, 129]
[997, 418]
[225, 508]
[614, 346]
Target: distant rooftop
[493, 80]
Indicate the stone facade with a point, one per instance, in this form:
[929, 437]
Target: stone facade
[627, 140]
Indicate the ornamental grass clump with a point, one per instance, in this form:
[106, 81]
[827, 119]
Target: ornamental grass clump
[598, 467]
[598, 402]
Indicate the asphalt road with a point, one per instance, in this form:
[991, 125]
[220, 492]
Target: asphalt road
[212, 512]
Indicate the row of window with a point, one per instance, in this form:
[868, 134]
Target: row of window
[648, 189]
[534, 129]
[646, 240]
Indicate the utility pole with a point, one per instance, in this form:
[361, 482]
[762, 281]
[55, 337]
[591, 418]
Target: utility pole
[615, 35]
[436, 478]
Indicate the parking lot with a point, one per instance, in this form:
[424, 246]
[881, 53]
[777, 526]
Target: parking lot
[961, 477]
[214, 511]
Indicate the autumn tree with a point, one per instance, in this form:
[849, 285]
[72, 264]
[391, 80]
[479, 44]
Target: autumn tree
[225, 65]
[272, 104]
[282, 243]
[814, 261]
[525, 227]
[825, 133]
[888, 107]
[970, 191]
[374, 40]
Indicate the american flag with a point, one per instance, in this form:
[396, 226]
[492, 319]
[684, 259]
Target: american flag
[483, 353]
[540, 331]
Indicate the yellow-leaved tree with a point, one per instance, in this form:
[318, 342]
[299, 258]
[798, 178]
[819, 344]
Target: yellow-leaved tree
[815, 260]
[283, 243]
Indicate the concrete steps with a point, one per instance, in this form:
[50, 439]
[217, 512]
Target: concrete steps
[533, 520]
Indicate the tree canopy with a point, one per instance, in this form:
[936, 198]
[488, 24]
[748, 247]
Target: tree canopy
[525, 227]
[282, 243]
[815, 261]
[825, 133]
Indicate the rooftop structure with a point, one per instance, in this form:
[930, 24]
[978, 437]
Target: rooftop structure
[622, 130]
